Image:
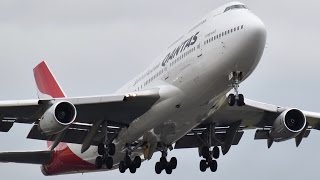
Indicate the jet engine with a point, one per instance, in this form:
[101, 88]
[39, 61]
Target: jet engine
[57, 118]
[288, 124]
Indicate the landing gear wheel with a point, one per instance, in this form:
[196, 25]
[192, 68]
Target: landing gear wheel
[163, 162]
[109, 162]
[99, 162]
[168, 170]
[122, 167]
[205, 152]
[173, 163]
[216, 152]
[137, 161]
[132, 169]
[157, 168]
[111, 149]
[213, 165]
[240, 101]
[101, 149]
[231, 99]
[203, 165]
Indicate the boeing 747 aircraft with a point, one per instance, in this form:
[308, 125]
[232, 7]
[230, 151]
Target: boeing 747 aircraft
[187, 98]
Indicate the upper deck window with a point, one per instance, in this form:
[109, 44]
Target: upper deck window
[239, 6]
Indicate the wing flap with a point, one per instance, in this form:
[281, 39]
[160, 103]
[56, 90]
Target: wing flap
[192, 141]
[31, 157]
[264, 134]
[77, 133]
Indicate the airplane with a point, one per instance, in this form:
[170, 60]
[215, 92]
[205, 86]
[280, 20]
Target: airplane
[187, 98]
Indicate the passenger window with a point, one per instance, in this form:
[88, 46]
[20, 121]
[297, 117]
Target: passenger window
[234, 29]
[238, 28]
[228, 31]
[231, 30]
[241, 26]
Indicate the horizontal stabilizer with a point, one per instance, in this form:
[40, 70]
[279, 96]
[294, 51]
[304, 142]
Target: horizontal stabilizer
[30, 157]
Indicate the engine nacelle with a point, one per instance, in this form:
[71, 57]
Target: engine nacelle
[288, 125]
[57, 118]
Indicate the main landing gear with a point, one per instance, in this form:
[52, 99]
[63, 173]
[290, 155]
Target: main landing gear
[209, 154]
[129, 163]
[235, 78]
[132, 165]
[209, 160]
[164, 164]
[105, 152]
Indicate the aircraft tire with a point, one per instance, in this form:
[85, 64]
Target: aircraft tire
[173, 163]
[133, 169]
[168, 170]
[99, 162]
[216, 152]
[231, 99]
[157, 168]
[240, 101]
[122, 167]
[109, 162]
[205, 152]
[213, 165]
[137, 161]
[101, 149]
[203, 165]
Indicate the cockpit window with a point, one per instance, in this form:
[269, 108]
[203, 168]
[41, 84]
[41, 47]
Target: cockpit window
[239, 6]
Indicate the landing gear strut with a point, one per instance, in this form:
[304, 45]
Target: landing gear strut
[235, 78]
[164, 164]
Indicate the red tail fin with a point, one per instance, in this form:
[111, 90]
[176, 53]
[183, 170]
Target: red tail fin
[48, 87]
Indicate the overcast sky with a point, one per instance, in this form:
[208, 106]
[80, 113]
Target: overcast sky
[95, 46]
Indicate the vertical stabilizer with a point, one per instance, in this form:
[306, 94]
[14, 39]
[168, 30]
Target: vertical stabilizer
[47, 85]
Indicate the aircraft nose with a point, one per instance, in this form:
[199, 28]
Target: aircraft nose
[252, 44]
[256, 31]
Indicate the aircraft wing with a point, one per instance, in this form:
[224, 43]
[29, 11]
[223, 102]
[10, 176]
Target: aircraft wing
[229, 123]
[118, 110]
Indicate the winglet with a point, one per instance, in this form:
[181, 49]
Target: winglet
[48, 87]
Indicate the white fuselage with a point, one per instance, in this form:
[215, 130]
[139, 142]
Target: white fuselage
[193, 79]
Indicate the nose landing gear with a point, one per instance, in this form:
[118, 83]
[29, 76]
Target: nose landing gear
[235, 77]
